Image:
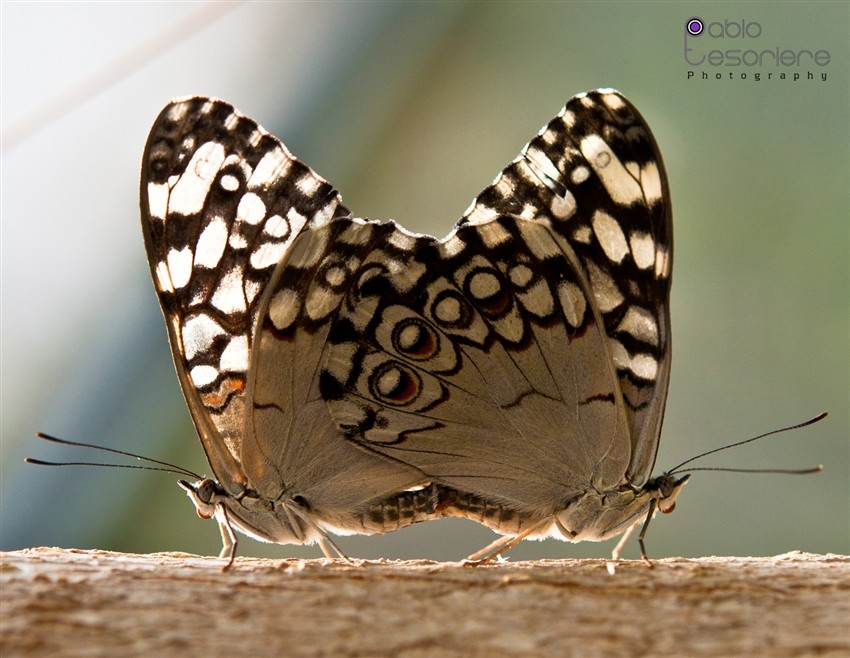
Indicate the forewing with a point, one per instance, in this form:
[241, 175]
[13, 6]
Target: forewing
[222, 202]
[595, 172]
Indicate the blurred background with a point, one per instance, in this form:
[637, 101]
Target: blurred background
[410, 110]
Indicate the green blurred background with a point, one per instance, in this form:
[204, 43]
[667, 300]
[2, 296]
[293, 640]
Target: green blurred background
[411, 109]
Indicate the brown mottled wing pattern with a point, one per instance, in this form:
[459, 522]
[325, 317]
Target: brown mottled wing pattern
[524, 358]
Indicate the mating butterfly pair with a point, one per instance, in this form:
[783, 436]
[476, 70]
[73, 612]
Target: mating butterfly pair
[349, 376]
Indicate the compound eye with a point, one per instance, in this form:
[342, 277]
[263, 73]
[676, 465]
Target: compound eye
[205, 490]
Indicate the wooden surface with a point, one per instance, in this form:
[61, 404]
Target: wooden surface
[56, 602]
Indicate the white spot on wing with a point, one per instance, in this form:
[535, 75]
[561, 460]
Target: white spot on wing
[620, 185]
[650, 178]
[296, 220]
[308, 184]
[270, 168]
[237, 241]
[163, 278]
[451, 247]
[276, 227]
[251, 209]
[493, 234]
[529, 211]
[203, 375]
[157, 200]
[504, 186]
[610, 236]
[640, 323]
[608, 296]
[401, 239]
[228, 297]
[284, 307]
[612, 99]
[268, 254]
[252, 289]
[190, 192]
[180, 267]
[478, 213]
[563, 207]
[643, 366]
[579, 174]
[643, 249]
[573, 302]
[325, 215]
[198, 333]
[235, 355]
[582, 234]
[211, 244]
[540, 163]
[662, 262]
[229, 183]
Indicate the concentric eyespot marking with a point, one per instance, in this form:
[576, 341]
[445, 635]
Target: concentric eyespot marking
[451, 310]
[395, 383]
[485, 287]
[415, 339]
[334, 274]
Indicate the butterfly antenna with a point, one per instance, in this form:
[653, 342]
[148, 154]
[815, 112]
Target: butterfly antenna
[806, 423]
[165, 467]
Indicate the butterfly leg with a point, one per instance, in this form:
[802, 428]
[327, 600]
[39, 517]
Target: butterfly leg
[649, 514]
[611, 565]
[501, 545]
[229, 542]
[329, 547]
[615, 554]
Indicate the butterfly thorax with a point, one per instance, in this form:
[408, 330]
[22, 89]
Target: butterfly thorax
[286, 520]
[597, 516]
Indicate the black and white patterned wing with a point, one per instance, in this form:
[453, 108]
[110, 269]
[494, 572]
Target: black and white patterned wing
[596, 174]
[222, 201]
[524, 358]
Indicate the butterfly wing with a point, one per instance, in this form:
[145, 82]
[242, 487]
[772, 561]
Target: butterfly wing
[596, 173]
[222, 201]
[294, 446]
[442, 358]
[231, 218]
[540, 323]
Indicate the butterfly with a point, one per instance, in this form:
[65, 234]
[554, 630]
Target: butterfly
[350, 376]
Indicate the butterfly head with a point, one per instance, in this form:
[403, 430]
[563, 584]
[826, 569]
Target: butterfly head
[206, 495]
[665, 489]
[283, 521]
